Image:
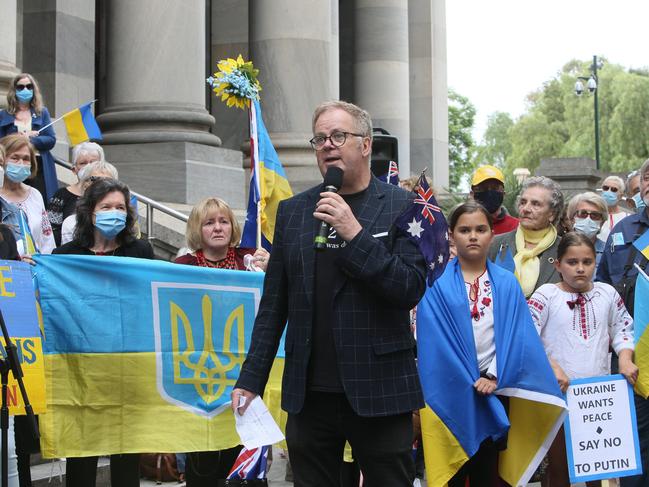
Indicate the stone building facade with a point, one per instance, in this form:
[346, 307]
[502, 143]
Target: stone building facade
[146, 61]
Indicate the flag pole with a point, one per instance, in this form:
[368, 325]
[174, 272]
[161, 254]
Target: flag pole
[254, 164]
[641, 271]
[61, 118]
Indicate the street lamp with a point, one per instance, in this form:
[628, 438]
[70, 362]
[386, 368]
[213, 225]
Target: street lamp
[591, 85]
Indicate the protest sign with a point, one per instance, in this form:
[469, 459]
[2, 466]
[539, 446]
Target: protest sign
[601, 432]
[18, 305]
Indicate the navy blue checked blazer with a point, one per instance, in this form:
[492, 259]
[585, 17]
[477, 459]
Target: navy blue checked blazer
[384, 278]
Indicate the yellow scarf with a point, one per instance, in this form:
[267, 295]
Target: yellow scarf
[527, 262]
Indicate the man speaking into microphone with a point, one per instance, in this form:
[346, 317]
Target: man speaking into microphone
[345, 293]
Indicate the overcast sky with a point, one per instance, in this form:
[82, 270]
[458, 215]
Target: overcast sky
[498, 51]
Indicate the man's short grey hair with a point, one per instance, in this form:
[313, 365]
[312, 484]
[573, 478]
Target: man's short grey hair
[99, 166]
[85, 148]
[362, 119]
[627, 186]
[644, 168]
[556, 196]
[617, 179]
[590, 198]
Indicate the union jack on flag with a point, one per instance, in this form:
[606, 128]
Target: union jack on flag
[250, 464]
[392, 176]
[424, 224]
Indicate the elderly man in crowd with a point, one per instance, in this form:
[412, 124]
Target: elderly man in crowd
[617, 268]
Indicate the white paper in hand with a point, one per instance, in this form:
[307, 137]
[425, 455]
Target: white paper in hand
[256, 427]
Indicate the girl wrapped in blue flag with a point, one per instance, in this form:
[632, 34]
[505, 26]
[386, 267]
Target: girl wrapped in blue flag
[494, 405]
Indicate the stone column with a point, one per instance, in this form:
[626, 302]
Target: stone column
[155, 123]
[381, 69]
[428, 90]
[58, 49]
[291, 44]
[229, 39]
[8, 68]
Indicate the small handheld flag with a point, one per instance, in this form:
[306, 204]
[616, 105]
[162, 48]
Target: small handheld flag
[81, 125]
[392, 176]
[425, 225]
[642, 244]
[250, 464]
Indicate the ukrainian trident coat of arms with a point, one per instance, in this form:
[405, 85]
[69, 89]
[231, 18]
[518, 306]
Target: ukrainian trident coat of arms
[202, 333]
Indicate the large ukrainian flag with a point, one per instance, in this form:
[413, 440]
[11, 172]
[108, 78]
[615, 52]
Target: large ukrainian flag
[142, 355]
[457, 419]
[641, 332]
[268, 183]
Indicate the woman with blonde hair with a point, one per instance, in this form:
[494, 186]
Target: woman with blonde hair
[213, 234]
[19, 166]
[27, 116]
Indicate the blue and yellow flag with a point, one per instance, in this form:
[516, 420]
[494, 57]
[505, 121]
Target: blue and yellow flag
[457, 419]
[20, 314]
[142, 355]
[268, 184]
[81, 125]
[641, 332]
[642, 244]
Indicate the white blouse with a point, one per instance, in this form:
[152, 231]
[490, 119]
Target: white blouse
[482, 317]
[38, 221]
[577, 329]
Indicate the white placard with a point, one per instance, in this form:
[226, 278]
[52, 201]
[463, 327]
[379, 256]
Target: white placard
[601, 430]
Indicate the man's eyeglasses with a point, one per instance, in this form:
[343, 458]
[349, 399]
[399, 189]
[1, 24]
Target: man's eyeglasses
[337, 139]
[613, 189]
[596, 216]
[28, 86]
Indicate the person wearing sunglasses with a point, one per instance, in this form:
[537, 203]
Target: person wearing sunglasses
[26, 115]
[586, 213]
[612, 192]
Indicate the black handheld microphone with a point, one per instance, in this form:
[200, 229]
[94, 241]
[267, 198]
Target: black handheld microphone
[333, 180]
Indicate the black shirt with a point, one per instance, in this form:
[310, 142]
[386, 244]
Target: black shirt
[62, 204]
[136, 248]
[323, 364]
[8, 250]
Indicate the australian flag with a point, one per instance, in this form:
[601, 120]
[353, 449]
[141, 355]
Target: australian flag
[392, 176]
[250, 464]
[426, 226]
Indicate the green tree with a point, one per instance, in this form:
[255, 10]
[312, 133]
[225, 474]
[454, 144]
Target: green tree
[557, 123]
[496, 146]
[461, 117]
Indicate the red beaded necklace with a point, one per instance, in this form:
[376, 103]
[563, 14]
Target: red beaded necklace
[229, 262]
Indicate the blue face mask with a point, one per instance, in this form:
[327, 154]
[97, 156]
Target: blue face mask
[18, 172]
[25, 95]
[587, 226]
[639, 202]
[110, 223]
[610, 197]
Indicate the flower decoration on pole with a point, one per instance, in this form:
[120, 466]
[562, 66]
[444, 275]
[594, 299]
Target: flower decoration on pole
[236, 82]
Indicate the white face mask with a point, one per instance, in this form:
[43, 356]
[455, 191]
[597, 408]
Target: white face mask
[587, 226]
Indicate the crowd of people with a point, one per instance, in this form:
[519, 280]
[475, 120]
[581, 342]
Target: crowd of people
[350, 369]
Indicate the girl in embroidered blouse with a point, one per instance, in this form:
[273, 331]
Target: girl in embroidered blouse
[578, 320]
[472, 233]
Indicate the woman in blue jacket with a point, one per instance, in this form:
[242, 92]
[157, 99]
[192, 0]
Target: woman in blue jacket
[26, 114]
